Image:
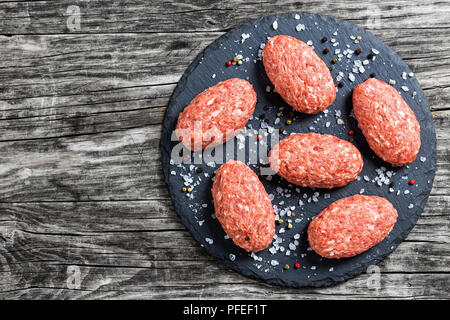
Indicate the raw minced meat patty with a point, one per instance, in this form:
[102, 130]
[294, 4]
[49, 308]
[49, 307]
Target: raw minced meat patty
[316, 160]
[301, 78]
[387, 122]
[217, 114]
[351, 225]
[243, 206]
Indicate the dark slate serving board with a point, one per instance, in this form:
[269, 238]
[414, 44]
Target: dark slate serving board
[197, 213]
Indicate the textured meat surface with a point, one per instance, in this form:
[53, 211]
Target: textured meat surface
[316, 160]
[243, 206]
[387, 122]
[217, 114]
[300, 77]
[351, 225]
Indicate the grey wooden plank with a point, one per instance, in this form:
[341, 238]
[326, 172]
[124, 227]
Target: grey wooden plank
[54, 77]
[121, 239]
[30, 17]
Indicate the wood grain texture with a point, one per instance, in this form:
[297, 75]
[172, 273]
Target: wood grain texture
[81, 185]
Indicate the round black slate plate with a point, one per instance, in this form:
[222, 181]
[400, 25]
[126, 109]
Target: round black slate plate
[197, 213]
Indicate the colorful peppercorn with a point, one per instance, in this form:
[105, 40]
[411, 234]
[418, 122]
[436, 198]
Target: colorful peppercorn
[292, 214]
[199, 170]
[247, 238]
[358, 51]
[229, 63]
[280, 221]
[334, 60]
[184, 189]
[189, 190]
[288, 121]
[279, 114]
[240, 62]
[359, 38]
[324, 39]
[289, 226]
[297, 265]
[326, 50]
[235, 59]
[412, 181]
[373, 75]
[286, 267]
[341, 84]
[351, 132]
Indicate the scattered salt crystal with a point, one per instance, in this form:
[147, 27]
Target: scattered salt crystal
[351, 77]
[244, 37]
[300, 27]
[405, 88]
[423, 159]
[391, 82]
[297, 17]
[275, 25]
[232, 257]
[410, 206]
[331, 269]
[210, 241]
[375, 51]
[274, 263]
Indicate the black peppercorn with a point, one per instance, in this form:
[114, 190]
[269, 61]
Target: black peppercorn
[373, 75]
[326, 50]
[324, 39]
[247, 238]
[370, 56]
[358, 51]
[341, 84]
[199, 170]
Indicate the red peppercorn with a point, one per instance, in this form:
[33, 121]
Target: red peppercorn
[259, 137]
[351, 132]
[297, 265]
[412, 181]
[228, 63]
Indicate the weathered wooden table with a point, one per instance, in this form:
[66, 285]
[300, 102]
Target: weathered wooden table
[84, 211]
